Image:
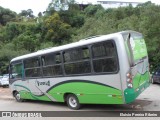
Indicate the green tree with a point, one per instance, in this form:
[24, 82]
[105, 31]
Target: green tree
[56, 30]
[27, 13]
[26, 41]
[92, 9]
[7, 52]
[14, 29]
[6, 15]
[20, 34]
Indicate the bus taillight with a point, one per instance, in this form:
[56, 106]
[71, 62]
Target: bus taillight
[129, 80]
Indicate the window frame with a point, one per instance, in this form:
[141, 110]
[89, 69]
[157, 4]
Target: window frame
[53, 65]
[40, 67]
[77, 61]
[98, 58]
[79, 47]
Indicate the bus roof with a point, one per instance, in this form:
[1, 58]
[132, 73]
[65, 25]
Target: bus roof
[82, 42]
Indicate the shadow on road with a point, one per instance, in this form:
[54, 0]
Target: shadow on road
[137, 105]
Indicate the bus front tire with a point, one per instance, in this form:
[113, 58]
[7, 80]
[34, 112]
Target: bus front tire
[73, 102]
[18, 97]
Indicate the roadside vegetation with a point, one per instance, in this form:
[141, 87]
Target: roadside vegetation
[24, 33]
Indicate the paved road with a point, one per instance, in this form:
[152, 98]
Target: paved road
[148, 101]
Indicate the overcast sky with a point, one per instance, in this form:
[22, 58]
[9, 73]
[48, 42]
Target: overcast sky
[41, 5]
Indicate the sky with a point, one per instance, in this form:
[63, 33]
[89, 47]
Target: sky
[41, 5]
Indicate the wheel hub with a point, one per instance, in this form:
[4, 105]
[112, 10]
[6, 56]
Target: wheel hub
[72, 102]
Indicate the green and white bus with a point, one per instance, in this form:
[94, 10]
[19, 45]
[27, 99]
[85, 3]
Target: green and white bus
[107, 69]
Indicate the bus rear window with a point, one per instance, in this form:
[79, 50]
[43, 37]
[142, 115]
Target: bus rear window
[137, 46]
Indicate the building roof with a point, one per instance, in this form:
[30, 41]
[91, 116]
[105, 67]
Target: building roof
[122, 1]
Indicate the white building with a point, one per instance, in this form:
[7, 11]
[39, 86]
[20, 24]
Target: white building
[59, 4]
[116, 3]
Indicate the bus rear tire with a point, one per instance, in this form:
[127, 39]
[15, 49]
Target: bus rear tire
[18, 97]
[73, 102]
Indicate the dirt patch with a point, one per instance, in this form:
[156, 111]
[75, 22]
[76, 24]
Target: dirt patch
[5, 93]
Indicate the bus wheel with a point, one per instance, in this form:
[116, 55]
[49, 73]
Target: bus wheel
[73, 102]
[18, 97]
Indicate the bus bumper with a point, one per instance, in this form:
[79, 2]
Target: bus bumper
[131, 94]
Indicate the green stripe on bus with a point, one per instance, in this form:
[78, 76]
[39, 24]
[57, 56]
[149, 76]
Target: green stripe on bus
[140, 79]
[26, 94]
[88, 93]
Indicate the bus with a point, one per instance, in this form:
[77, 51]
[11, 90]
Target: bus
[104, 69]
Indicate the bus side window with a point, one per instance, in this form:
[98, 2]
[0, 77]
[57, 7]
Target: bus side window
[77, 61]
[51, 64]
[104, 57]
[32, 62]
[85, 53]
[43, 61]
[57, 58]
[32, 67]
